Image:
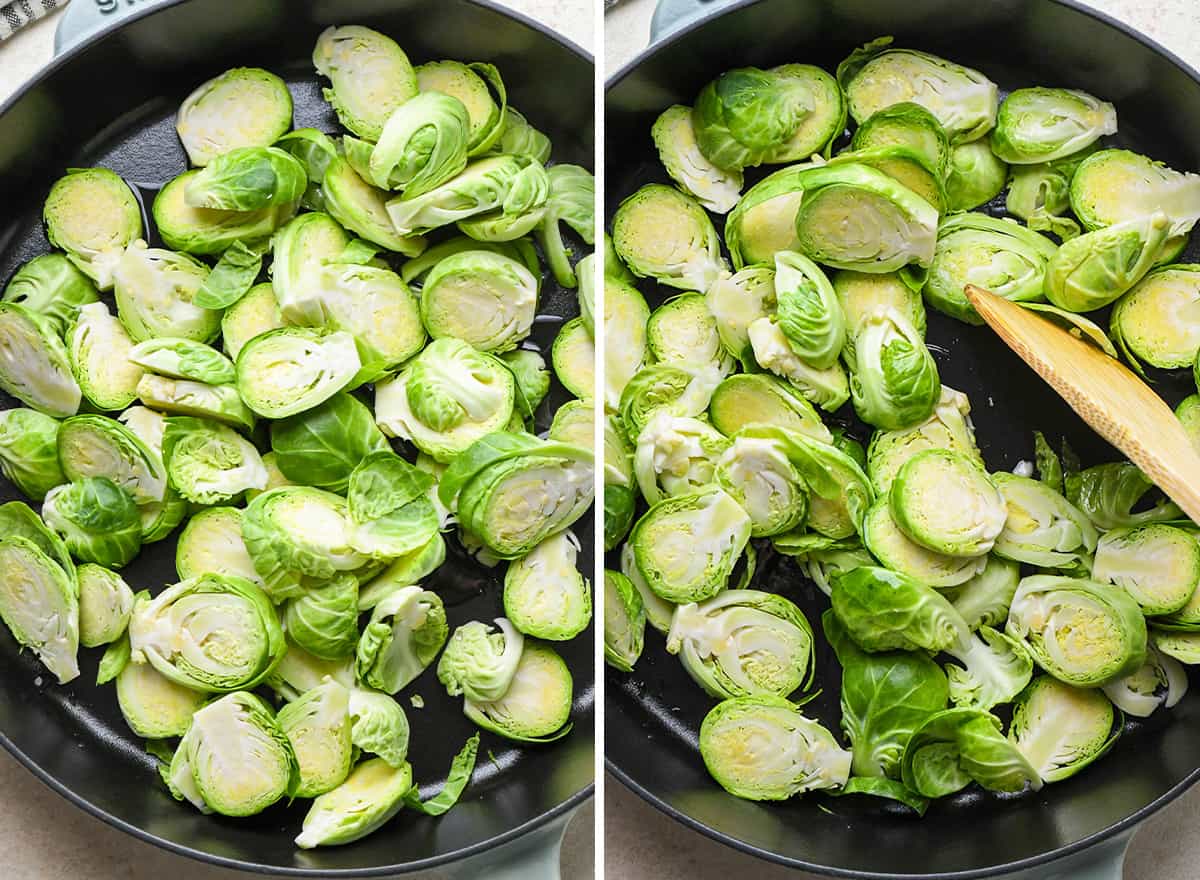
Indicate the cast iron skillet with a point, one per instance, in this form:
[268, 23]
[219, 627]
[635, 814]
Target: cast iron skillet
[112, 101]
[654, 714]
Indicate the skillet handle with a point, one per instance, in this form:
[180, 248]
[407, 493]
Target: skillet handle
[673, 14]
[82, 18]
[1104, 861]
[532, 856]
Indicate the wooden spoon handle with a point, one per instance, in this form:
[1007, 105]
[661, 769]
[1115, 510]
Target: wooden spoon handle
[1118, 405]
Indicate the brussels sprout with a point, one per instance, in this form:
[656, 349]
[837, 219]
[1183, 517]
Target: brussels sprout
[243, 107]
[758, 475]
[300, 249]
[519, 138]
[1061, 729]
[36, 369]
[422, 145]
[862, 293]
[1181, 646]
[1188, 413]
[745, 115]
[716, 189]
[764, 220]
[322, 446]
[906, 166]
[288, 371]
[211, 543]
[1160, 681]
[92, 214]
[808, 311]
[49, 285]
[39, 605]
[183, 359]
[413, 271]
[894, 383]
[406, 631]
[482, 298]
[173, 632]
[210, 463]
[154, 706]
[446, 398]
[678, 454]
[624, 621]
[1042, 528]
[736, 302]
[221, 403]
[469, 84]
[324, 620]
[907, 125]
[955, 747]
[480, 662]
[1158, 565]
[97, 520]
[366, 800]
[571, 201]
[361, 208]
[1082, 632]
[545, 595]
[661, 233]
[105, 603]
[378, 725]
[1108, 494]
[686, 546]
[974, 176]
[97, 446]
[299, 672]
[625, 317]
[759, 399]
[317, 725]
[743, 643]
[676, 389]
[944, 501]
[253, 314]
[658, 611]
[1096, 268]
[893, 226]
[574, 424]
[984, 599]
[370, 77]
[762, 749]
[154, 292]
[248, 179]
[204, 231]
[484, 186]
[1155, 320]
[824, 118]
[314, 150]
[895, 550]
[524, 206]
[29, 451]
[1041, 125]
[1112, 187]
[876, 76]
[828, 388]
[537, 703]
[390, 507]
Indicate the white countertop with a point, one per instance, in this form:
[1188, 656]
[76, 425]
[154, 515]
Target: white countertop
[642, 843]
[43, 837]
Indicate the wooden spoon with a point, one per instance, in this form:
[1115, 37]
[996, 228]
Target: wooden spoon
[1118, 405]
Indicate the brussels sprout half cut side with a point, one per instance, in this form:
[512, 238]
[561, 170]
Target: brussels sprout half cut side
[947, 503]
[370, 76]
[537, 705]
[287, 371]
[242, 107]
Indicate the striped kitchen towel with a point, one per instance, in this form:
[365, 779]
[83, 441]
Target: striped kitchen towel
[15, 14]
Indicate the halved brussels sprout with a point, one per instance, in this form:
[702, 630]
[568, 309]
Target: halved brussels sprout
[715, 188]
[371, 76]
[686, 546]
[1158, 319]
[183, 359]
[287, 371]
[212, 543]
[36, 368]
[213, 633]
[994, 253]
[234, 759]
[824, 119]
[1040, 124]
[299, 672]
[661, 233]
[247, 179]
[895, 550]
[862, 293]
[93, 215]
[1116, 186]
[322, 446]
[204, 231]
[29, 451]
[574, 357]
[974, 177]
[625, 317]
[97, 446]
[944, 501]
[1042, 528]
[361, 208]
[446, 398]
[906, 166]
[682, 330]
[746, 114]
[1188, 413]
[878, 76]
[948, 428]
[676, 389]
[105, 603]
[1160, 681]
[574, 424]
[299, 250]
[210, 463]
[39, 605]
[758, 475]
[855, 217]
[1108, 494]
[737, 302]
[154, 291]
[1158, 565]
[406, 631]
[894, 383]
[520, 138]
[222, 403]
[253, 314]
[828, 388]
[483, 298]
[1082, 632]
[469, 84]
[537, 705]
[379, 725]
[324, 620]
[759, 399]
[1061, 729]
[422, 145]
[49, 285]
[97, 520]
[1096, 268]
[905, 124]
[366, 800]
[762, 749]
[676, 455]
[318, 727]
[242, 107]
[808, 311]
[764, 220]
[153, 706]
[484, 186]
[545, 594]
[524, 208]
[480, 662]
[955, 747]
[743, 643]
[624, 621]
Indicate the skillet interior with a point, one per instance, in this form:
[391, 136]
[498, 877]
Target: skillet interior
[653, 715]
[112, 103]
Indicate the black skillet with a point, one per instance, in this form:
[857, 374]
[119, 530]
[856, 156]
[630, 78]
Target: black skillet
[1079, 826]
[110, 100]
